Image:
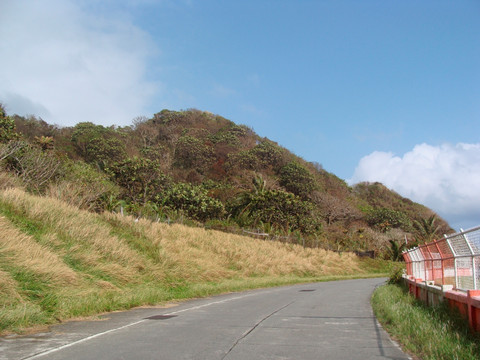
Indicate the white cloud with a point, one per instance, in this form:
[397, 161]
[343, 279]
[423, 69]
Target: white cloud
[67, 65]
[445, 178]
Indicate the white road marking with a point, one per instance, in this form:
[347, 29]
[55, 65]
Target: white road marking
[35, 356]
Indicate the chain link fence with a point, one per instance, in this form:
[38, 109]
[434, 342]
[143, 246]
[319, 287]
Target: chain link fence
[453, 260]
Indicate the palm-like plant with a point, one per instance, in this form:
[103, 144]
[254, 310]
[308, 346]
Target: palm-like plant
[45, 142]
[396, 250]
[259, 184]
[426, 229]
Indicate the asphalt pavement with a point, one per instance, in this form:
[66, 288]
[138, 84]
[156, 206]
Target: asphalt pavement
[330, 320]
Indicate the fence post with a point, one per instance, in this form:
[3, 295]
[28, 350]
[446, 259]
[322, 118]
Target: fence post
[474, 272]
[441, 260]
[425, 276]
[454, 260]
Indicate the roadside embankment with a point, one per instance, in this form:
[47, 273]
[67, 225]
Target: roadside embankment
[59, 263]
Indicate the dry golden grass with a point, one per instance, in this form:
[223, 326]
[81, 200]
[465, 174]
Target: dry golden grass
[60, 262]
[8, 290]
[211, 255]
[77, 234]
[8, 181]
[23, 251]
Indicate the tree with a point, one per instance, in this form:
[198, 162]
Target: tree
[45, 142]
[141, 178]
[395, 250]
[10, 148]
[83, 134]
[193, 200]
[259, 184]
[33, 166]
[7, 127]
[426, 229]
[146, 130]
[192, 153]
[97, 144]
[105, 150]
[31, 126]
[297, 179]
[84, 186]
[269, 154]
[245, 159]
[334, 209]
[385, 219]
[279, 208]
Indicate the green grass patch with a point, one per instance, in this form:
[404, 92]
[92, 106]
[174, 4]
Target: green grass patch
[133, 237]
[428, 332]
[21, 221]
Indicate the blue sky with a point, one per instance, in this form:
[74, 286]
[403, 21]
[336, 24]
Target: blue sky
[373, 90]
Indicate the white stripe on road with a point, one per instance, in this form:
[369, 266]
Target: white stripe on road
[35, 356]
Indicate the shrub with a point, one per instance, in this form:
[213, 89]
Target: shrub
[7, 127]
[396, 273]
[33, 166]
[192, 153]
[269, 154]
[333, 208]
[279, 208]
[243, 160]
[83, 186]
[297, 179]
[98, 144]
[193, 200]
[385, 219]
[140, 178]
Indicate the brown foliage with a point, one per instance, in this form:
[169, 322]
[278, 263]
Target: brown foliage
[334, 209]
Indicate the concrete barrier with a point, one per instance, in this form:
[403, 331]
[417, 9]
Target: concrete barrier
[468, 303]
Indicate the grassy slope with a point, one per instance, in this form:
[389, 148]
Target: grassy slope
[57, 262]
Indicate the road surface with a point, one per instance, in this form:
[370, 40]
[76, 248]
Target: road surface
[330, 320]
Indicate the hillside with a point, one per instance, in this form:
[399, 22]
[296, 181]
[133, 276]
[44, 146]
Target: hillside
[58, 262]
[198, 168]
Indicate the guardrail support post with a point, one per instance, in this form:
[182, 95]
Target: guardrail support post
[474, 272]
[455, 273]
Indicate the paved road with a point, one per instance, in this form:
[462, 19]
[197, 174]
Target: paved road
[331, 320]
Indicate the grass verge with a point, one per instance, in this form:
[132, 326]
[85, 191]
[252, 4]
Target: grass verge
[434, 333]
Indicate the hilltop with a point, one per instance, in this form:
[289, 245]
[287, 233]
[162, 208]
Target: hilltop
[97, 219]
[201, 169]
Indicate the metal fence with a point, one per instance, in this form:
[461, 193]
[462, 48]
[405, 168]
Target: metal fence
[453, 260]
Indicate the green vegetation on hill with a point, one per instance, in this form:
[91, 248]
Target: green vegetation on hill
[196, 167]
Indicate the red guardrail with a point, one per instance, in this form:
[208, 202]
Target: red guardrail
[452, 260]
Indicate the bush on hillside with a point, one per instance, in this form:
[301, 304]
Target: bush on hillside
[385, 219]
[333, 208]
[97, 144]
[34, 167]
[192, 200]
[83, 186]
[140, 178]
[279, 208]
[296, 179]
[192, 153]
[7, 127]
[269, 154]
